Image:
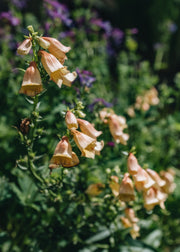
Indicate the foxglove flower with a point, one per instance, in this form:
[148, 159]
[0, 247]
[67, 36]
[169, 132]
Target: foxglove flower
[94, 189]
[150, 199]
[85, 143]
[116, 125]
[88, 129]
[24, 47]
[31, 84]
[54, 47]
[63, 155]
[142, 180]
[168, 176]
[57, 72]
[126, 191]
[114, 185]
[132, 164]
[155, 176]
[130, 214]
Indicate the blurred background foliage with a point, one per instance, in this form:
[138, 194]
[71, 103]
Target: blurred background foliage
[129, 47]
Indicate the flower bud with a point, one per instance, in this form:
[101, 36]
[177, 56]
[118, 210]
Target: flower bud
[132, 164]
[71, 120]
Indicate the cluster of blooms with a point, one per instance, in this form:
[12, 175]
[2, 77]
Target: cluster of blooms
[86, 140]
[116, 125]
[150, 98]
[155, 190]
[52, 62]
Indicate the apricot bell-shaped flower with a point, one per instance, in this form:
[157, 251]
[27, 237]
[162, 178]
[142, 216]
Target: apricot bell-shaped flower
[54, 47]
[132, 164]
[88, 129]
[85, 143]
[24, 47]
[126, 191]
[31, 84]
[63, 155]
[57, 72]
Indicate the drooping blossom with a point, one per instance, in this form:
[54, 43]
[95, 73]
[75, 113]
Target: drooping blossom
[85, 143]
[114, 185]
[55, 47]
[95, 189]
[57, 72]
[24, 47]
[88, 129]
[126, 191]
[31, 84]
[142, 180]
[63, 155]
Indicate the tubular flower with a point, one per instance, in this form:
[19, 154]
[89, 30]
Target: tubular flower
[57, 72]
[168, 176]
[132, 164]
[71, 120]
[88, 129]
[126, 191]
[114, 185]
[25, 47]
[85, 143]
[130, 214]
[142, 180]
[63, 155]
[135, 231]
[31, 84]
[150, 199]
[55, 47]
[155, 176]
[94, 189]
[116, 125]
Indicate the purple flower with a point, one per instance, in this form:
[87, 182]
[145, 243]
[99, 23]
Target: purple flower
[19, 3]
[172, 27]
[105, 25]
[85, 78]
[99, 101]
[134, 31]
[57, 10]
[14, 21]
[111, 144]
[70, 34]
